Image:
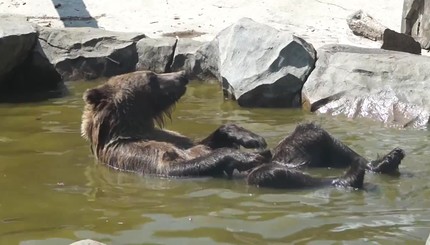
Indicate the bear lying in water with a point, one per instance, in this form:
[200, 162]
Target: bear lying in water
[120, 119]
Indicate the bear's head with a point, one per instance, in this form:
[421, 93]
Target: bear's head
[127, 105]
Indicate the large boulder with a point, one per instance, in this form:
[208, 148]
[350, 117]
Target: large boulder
[386, 86]
[17, 38]
[261, 66]
[23, 64]
[88, 53]
[156, 54]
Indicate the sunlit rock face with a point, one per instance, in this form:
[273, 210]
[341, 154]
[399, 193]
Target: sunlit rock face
[89, 53]
[386, 86]
[261, 66]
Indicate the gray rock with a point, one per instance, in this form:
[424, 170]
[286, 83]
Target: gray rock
[24, 66]
[185, 52]
[395, 41]
[155, 54]
[365, 25]
[88, 53]
[35, 74]
[198, 59]
[416, 21]
[207, 62]
[261, 66]
[17, 38]
[87, 242]
[386, 86]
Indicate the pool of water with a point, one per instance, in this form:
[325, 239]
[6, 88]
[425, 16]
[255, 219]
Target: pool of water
[53, 192]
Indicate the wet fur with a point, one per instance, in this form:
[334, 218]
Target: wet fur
[276, 175]
[120, 120]
[309, 145]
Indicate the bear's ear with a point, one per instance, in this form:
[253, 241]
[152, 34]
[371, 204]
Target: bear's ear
[95, 95]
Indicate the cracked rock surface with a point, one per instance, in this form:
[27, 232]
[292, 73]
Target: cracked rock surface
[89, 53]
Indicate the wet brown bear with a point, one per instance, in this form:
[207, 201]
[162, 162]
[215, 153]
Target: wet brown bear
[120, 120]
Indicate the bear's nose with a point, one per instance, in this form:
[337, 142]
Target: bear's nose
[183, 78]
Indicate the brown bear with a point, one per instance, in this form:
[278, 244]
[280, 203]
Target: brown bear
[123, 120]
[120, 118]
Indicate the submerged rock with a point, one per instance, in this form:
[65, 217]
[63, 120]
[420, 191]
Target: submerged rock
[386, 86]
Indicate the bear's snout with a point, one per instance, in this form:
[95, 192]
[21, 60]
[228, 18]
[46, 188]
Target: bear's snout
[178, 78]
[183, 78]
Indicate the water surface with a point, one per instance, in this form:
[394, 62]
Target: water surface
[53, 192]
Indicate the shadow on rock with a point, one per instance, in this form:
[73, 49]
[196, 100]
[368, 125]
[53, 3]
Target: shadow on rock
[74, 13]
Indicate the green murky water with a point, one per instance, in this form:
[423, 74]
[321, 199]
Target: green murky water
[52, 192]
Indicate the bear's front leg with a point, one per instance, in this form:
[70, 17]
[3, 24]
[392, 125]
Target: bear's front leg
[233, 136]
[222, 161]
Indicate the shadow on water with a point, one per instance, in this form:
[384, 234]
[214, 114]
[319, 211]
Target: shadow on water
[17, 97]
[74, 13]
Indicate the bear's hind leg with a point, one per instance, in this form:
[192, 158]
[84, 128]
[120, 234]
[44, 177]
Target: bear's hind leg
[274, 175]
[282, 177]
[388, 164]
[309, 145]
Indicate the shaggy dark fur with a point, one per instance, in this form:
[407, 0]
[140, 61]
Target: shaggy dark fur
[120, 119]
[280, 176]
[311, 146]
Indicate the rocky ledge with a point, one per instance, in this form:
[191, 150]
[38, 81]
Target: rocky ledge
[257, 65]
